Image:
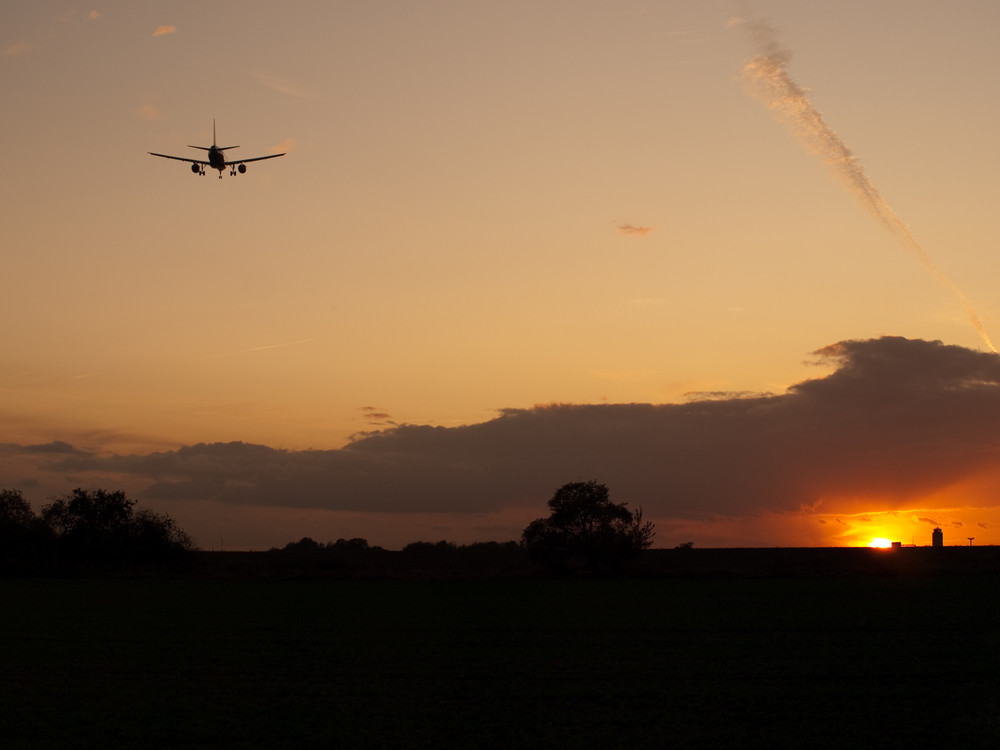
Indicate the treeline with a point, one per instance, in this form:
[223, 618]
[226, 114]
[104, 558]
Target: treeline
[585, 532]
[86, 528]
[356, 558]
[309, 547]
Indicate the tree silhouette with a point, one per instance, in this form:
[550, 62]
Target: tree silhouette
[586, 530]
[15, 512]
[20, 529]
[101, 525]
[157, 535]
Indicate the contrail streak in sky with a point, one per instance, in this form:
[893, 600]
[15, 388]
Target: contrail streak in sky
[260, 348]
[766, 78]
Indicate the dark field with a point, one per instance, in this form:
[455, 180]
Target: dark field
[875, 661]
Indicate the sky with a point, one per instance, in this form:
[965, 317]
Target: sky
[735, 260]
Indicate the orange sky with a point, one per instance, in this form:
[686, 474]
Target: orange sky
[484, 207]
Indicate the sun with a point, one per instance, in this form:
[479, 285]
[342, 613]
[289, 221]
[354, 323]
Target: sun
[880, 541]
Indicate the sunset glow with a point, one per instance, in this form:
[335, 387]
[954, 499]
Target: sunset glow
[494, 261]
[880, 542]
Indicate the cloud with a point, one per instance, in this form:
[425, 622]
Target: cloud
[149, 112]
[261, 348]
[377, 417]
[93, 15]
[897, 421]
[682, 37]
[634, 231]
[722, 395]
[57, 447]
[163, 30]
[899, 427]
[17, 49]
[767, 78]
[285, 147]
[282, 86]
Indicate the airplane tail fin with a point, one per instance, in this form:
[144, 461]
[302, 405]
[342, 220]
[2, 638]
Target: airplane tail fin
[214, 141]
[209, 148]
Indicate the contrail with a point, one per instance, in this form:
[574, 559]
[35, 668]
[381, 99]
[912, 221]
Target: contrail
[766, 78]
[265, 347]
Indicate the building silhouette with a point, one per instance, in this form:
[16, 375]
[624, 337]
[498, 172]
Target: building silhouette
[937, 538]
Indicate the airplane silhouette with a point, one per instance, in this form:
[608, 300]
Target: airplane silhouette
[217, 159]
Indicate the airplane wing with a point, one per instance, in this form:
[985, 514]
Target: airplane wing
[253, 158]
[181, 158]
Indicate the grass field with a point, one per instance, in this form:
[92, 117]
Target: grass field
[771, 662]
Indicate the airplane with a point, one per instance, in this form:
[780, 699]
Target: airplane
[217, 159]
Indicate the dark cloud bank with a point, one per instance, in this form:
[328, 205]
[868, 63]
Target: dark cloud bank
[897, 419]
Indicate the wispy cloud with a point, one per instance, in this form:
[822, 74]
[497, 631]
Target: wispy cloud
[286, 146]
[696, 396]
[262, 348]
[377, 417]
[282, 86]
[149, 112]
[93, 15]
[766, 77]
[163, 30]
[57, 447]
[685, 38]
[17, 49]
[634, 231]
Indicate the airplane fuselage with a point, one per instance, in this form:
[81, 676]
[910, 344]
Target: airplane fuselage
[216, 158]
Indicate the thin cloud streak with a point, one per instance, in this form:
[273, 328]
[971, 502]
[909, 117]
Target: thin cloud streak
[634, 231]
[768, 80]
[164, 30]
[17, 49]
[287, 146]
[149, 112]
[264, 348]
[282, 86]
[377, 417]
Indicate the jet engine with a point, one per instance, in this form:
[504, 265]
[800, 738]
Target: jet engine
[196, 168]
[242, 168]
